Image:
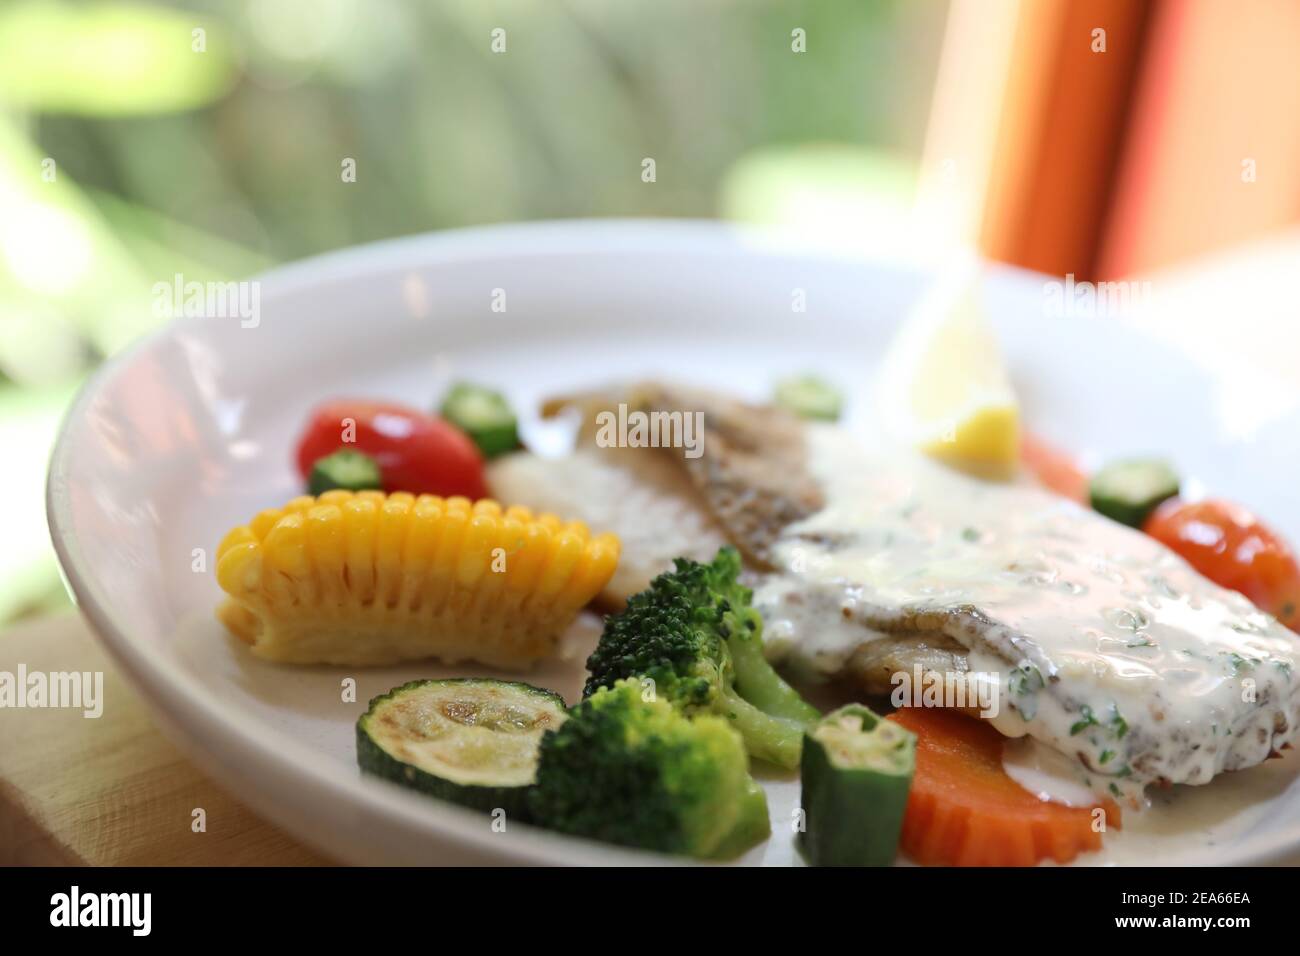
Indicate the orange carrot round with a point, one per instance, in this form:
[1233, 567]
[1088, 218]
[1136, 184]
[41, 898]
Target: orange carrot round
[1053, 468]
[964, 810]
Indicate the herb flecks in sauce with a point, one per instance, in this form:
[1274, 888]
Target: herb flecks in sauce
[1024, 681]
[1086, 720]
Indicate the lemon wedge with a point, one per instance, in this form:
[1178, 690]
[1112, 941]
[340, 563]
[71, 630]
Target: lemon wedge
[944, 388]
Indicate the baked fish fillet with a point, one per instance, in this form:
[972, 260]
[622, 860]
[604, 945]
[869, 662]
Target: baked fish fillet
[1102, 644]
[751, 473]
[662, 503]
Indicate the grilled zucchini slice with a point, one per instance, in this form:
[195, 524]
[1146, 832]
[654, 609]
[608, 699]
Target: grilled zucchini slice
[468, 740]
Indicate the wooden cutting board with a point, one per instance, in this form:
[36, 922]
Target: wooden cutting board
[111, 791]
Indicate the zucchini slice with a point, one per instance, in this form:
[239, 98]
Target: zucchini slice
[857, 771]
[346, 469]
[469, 740]
[810, 397]
[1128, 491]
[484, 415]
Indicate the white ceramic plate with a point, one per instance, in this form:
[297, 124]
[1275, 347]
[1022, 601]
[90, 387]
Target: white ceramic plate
[191, 431]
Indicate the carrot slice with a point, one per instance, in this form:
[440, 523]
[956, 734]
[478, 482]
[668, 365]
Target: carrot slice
[1053, 468]
[964, 810]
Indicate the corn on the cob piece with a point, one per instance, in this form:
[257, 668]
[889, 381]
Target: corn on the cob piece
[369, 578]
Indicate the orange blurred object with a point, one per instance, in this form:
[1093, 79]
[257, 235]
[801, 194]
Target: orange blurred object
[1123, 135]
[1062, 128]
[1054, 468]
[1212, 150]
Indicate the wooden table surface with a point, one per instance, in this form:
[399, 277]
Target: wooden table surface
[112, 790]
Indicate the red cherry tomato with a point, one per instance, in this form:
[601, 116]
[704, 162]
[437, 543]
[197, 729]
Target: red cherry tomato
[1232, 548]
[415, 451]
[1053, 468]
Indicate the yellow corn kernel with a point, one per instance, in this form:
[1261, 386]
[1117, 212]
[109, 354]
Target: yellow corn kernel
[368, 578]
[576, 528]
[486, 506]
[284, 548]
[451, 534]
[565, 551]
[597, 565]
[241, 535]
[491, 583]
[264, 522]
[476, 550]
[423, 525]
[284, 559]
[524, 566]
[394, 518]
[325, 550]
[239, 569]
[360, 521]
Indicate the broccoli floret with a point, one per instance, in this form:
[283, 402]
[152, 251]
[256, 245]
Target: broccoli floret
[629, 769]
[694, 633]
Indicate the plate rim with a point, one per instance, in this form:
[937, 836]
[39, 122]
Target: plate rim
[189, 718]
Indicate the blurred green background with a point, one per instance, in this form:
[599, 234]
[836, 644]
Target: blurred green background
[141, 140]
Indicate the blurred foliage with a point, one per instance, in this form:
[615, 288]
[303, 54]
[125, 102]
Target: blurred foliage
[106, 59]
[139, 140]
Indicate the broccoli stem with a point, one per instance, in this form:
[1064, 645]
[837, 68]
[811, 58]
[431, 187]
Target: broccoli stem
[758, 682]
[753, 825]
[766, 737]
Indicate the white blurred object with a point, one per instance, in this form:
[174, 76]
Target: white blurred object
[1236, 312]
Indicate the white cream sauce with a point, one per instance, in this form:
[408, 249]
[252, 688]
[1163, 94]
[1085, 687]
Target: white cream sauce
[1046, 773]
[1181, 820]
[1183, 823]
[1111, 649]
